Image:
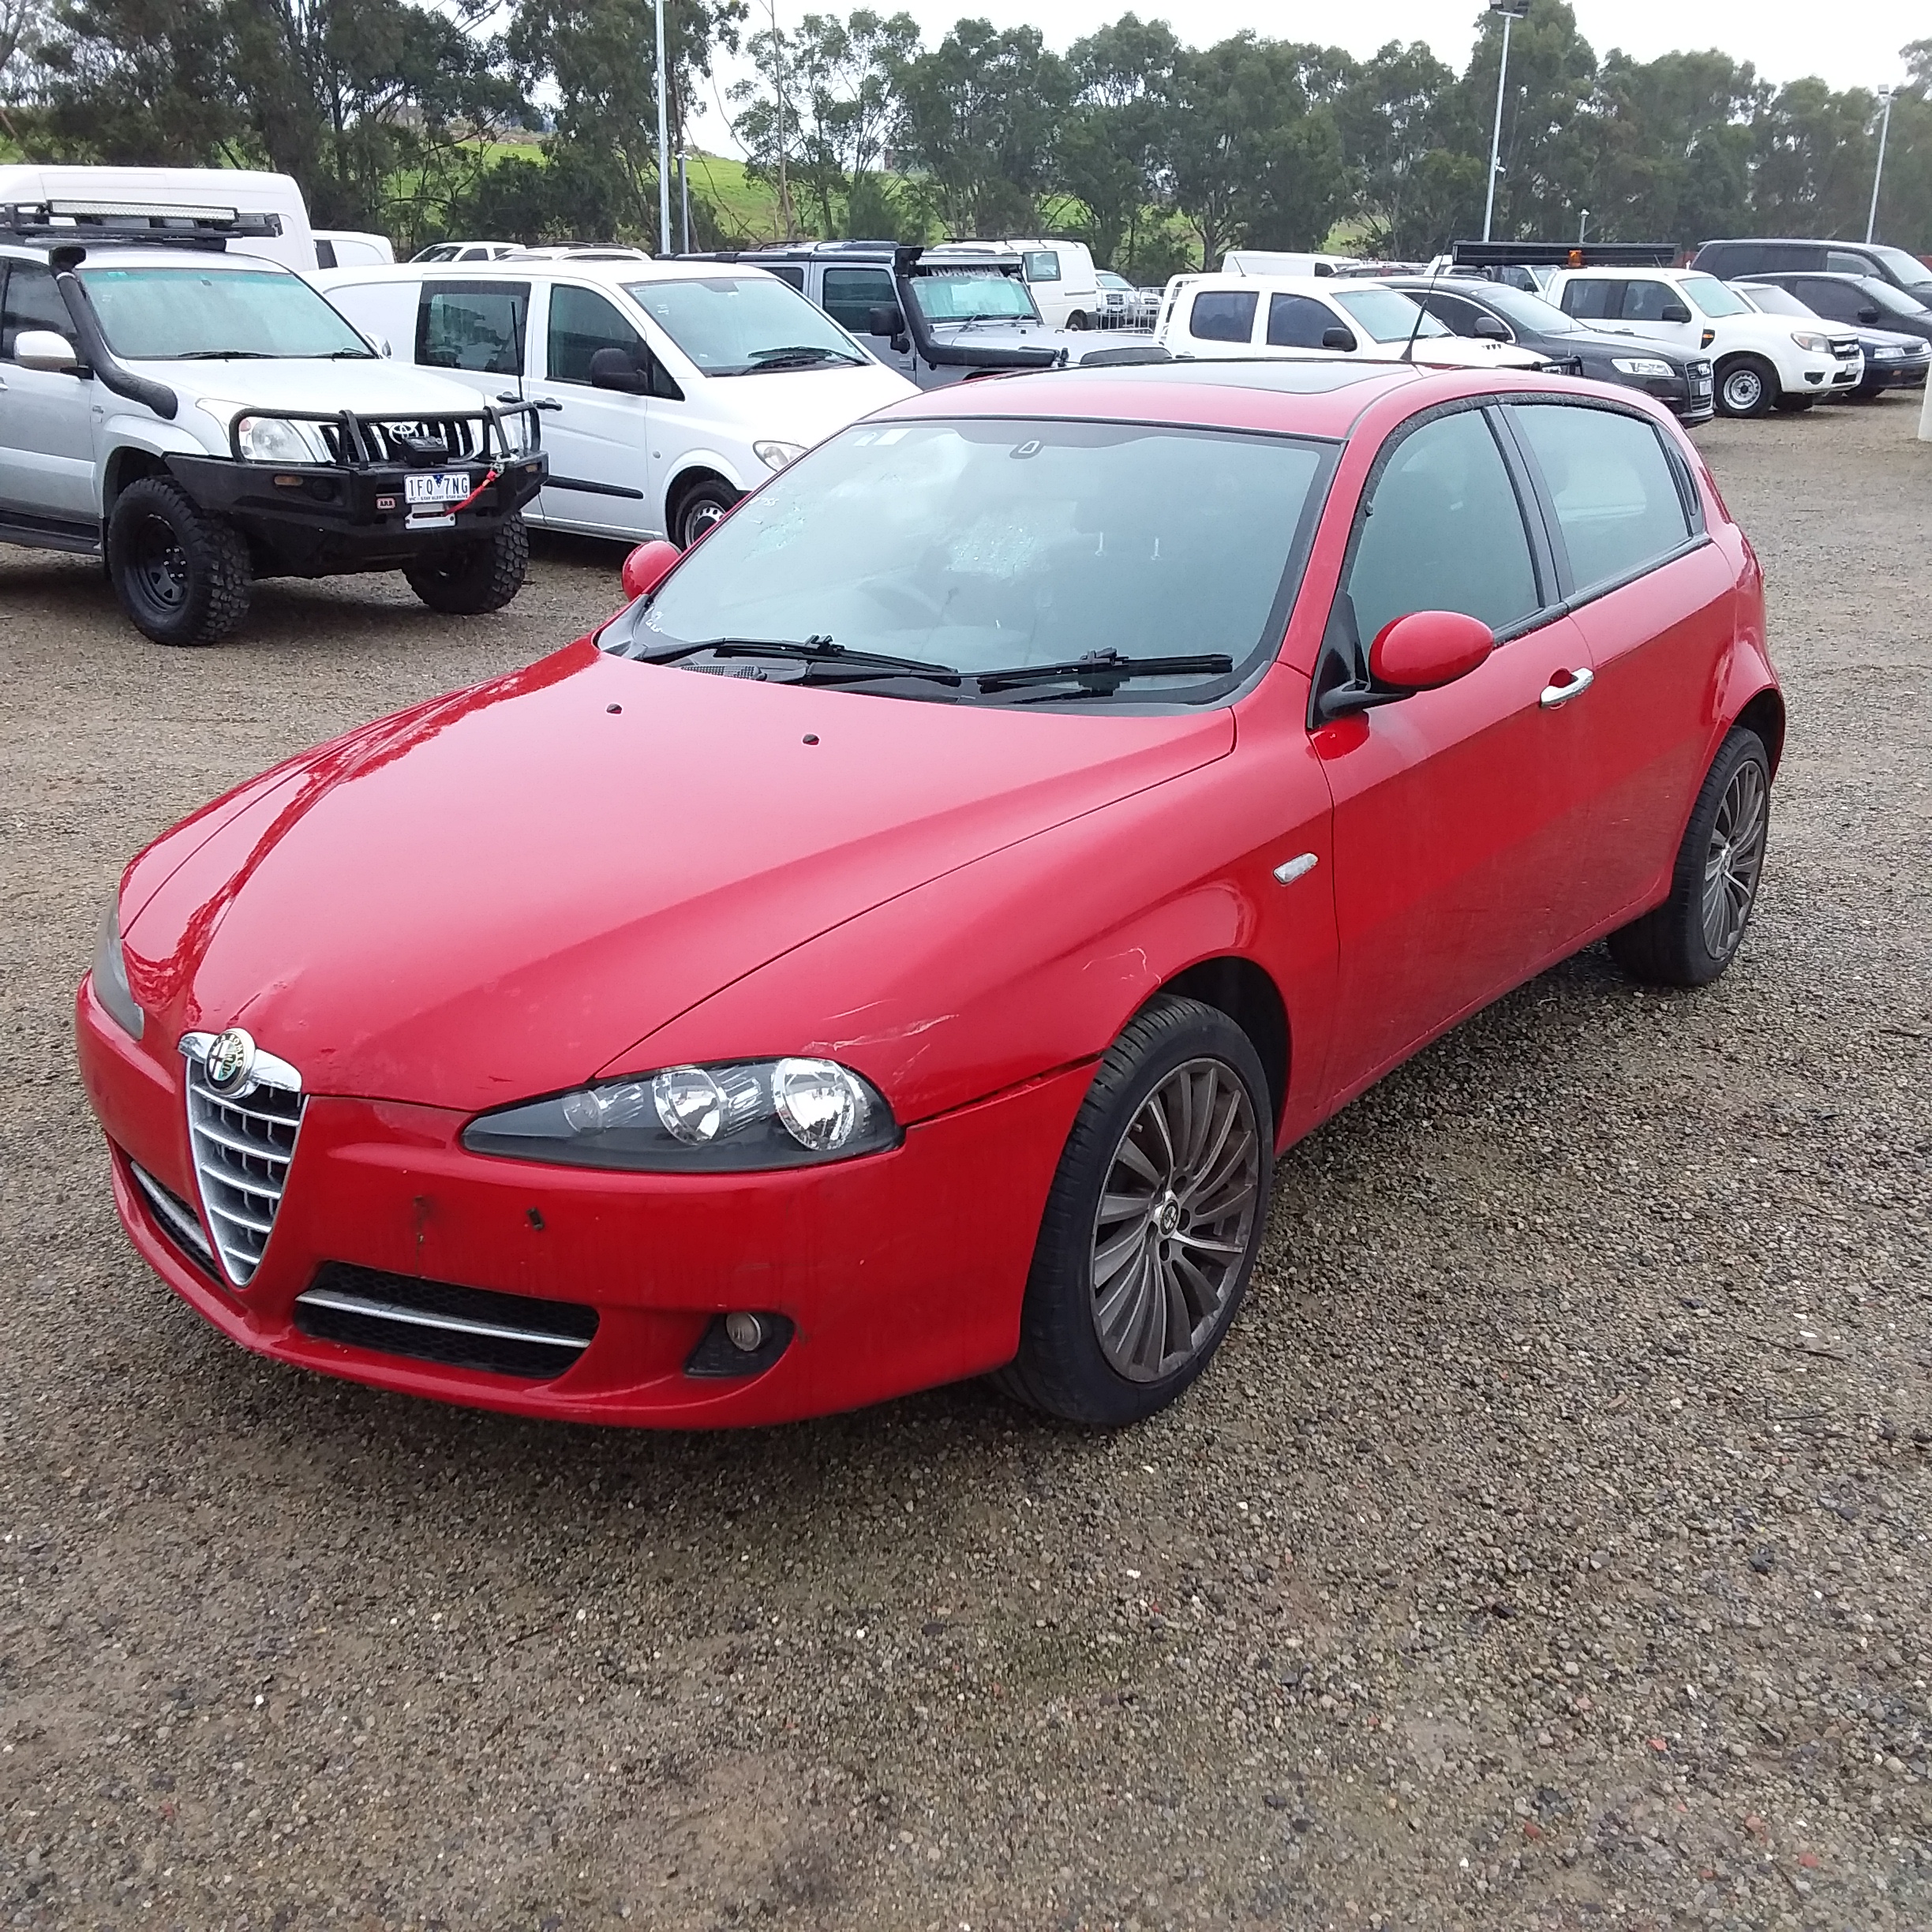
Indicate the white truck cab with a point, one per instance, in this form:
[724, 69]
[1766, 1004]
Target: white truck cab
[1761, 362]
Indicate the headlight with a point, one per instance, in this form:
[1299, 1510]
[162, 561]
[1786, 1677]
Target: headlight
[1641, 365]
[279, 439]
[776, 456]
[719, 1119]
[111, 979]
[1817, 345]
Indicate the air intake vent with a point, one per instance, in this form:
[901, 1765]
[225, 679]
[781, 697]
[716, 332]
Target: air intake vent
[242, 1130]
[505, 1335]
[176, 1218]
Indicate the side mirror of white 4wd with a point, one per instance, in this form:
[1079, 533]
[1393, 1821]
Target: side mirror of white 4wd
[45, 349]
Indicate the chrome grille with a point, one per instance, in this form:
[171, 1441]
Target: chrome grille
[242, 1140]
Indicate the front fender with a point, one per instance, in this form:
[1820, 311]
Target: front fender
[123, 430]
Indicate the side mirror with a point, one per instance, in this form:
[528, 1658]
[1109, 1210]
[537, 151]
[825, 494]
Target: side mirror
[648, 565]
[45, 349]
[1490, 329]
[613, 369]
[1338, 338]
[1427, 649]
[382, 348]
[1868, 315]
[1675, 312]
[886, 320]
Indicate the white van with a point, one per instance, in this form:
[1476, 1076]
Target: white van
[1272, 262]
[667, 389]
[352, 247]
[213, 193]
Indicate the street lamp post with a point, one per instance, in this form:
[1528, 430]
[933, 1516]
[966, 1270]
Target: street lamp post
[664, 140]
[1512, 11]
[1885, 128]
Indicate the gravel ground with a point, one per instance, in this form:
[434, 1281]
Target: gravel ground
[1547, 1549]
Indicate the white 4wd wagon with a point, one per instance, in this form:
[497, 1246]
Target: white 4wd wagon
[200, 420]
[1762, 362]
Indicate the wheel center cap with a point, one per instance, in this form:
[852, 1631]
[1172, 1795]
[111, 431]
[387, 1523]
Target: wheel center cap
[1167, 1216]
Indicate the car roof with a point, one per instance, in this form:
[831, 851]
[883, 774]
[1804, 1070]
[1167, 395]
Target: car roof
[97, 253]
[595, 269]
[1275, 284]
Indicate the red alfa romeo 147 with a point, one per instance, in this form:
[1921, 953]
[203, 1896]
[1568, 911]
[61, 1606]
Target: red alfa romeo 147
[897, 946]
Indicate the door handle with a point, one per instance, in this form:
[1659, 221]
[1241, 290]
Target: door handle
[1554, 694]
[546, 402]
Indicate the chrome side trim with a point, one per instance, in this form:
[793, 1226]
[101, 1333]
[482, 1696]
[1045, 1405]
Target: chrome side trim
[173, 1215]
[418, 1318]
[1296, 868]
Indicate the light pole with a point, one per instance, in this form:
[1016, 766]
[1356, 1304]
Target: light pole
[1885, 128]
[1583, 227]
[1512, 11]
[664, 139]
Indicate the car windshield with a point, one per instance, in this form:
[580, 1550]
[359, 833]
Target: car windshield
[1773, 301]
[1909, 269]
[1894, 301]
[972, 294]
[744, 325]
[203, 313]
[1107, 279]
[980, 546]
[1710, 295]
[1525, 311]
[1385, 315]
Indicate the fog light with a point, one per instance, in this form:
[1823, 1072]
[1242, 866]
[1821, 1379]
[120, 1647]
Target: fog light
[746, 1331]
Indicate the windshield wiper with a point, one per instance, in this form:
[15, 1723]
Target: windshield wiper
[813, 651]
[1101, 671]
[228, 355]
[800, 357]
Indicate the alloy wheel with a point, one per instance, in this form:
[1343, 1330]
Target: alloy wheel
[1735, 859]
[1177, 1211]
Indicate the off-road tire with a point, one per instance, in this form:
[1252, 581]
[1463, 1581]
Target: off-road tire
[181, 575]
[1063, 1367]
[482, 575]
[1746, 385]
[1670, 946]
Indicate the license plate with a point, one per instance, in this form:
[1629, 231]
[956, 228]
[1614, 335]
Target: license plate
[436, 486]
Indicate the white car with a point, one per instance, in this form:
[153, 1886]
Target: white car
[667, 389]
[1250, 314]
[1762, 362]
[465, 251]
[1066, 284]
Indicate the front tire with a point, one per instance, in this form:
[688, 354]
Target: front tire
[1153, 1222]
[702, 505]
[482, 575]
[1794, 405]
[1695, 934]
[1746, 386]
[181, 575]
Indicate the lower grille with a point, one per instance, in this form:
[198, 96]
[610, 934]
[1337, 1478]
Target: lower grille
[505, 1335]
[176, 1218]
[242, 1142]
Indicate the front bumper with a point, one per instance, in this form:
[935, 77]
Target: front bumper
[328, 519]
[1894, 375]
[1690, 396]
[898, 1271]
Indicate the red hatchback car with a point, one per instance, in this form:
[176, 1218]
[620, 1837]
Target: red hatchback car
[897, 946]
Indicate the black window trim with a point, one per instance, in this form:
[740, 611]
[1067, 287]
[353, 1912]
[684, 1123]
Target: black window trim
[1688, 498]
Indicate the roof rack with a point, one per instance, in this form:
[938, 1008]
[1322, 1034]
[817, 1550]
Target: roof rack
[1564, 254]
[76, 226]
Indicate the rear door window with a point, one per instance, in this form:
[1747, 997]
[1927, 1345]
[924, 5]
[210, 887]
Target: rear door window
[1595, 301]
[1616, 496]
[477, 326]
[1838, 300]
[1041, 265]
[1444, 531]
[851, 295]
[1842, 261]
[1298, 321]
[1223, 315]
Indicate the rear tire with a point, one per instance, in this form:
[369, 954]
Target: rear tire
[1153, 1222]
[482, 575]
[1078, 320]
[1747, 385]
[181, 575]
[1695, 934]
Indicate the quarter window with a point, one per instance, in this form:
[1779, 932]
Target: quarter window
[31, 302]
[1041, 265]
[1443, 531]
[851, 295]
[1223, 315]
[1298, 321]
[1617, 502]
[472, 325]
[581, 322]
[795, 275]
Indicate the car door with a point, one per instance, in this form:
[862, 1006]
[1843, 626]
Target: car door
[1459, 812]
[1455, 312]
[598, 440]
[1222, 322]
[474, 331]
[1300, 322]
[1653, 308]
[850, 294]
[46, 416]
[1655, 601]
[1838, 301]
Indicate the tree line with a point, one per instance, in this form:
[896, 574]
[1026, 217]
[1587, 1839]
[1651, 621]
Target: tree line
[418, 120]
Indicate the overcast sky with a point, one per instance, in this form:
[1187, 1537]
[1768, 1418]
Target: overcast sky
[1849, 46]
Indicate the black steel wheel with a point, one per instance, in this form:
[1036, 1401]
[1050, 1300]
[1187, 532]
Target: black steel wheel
[1153, 1221]
[1695, 934]
[181, 575]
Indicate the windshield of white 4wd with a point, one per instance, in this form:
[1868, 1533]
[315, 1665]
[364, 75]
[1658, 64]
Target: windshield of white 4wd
[1711, 296]
[976, 546]
[203, 314]
[1385, 315]
[739, 325]
[972, 297]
